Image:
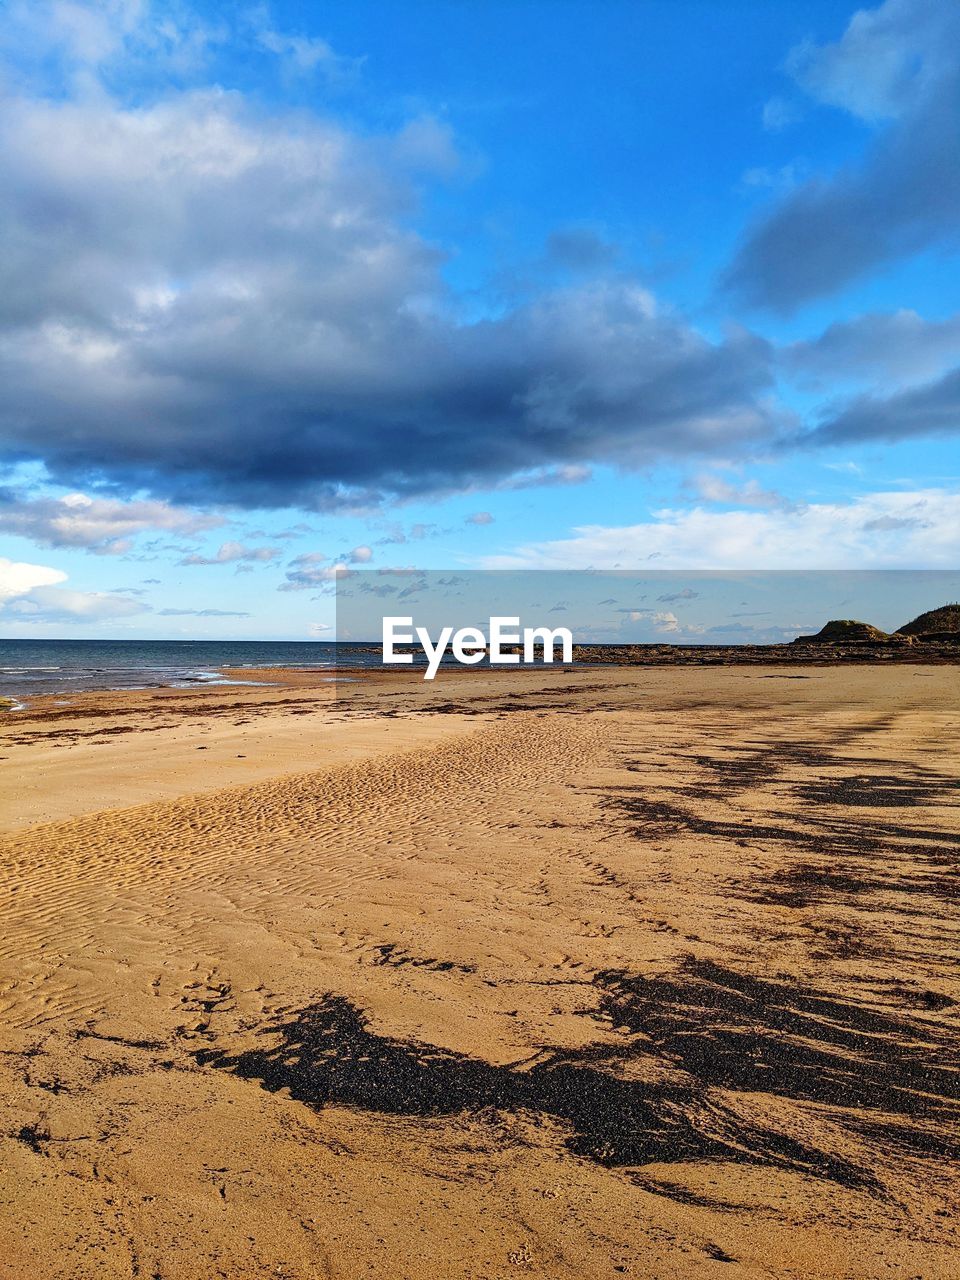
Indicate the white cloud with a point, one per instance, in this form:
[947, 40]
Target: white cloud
[83, 40]
[715, 488]
[778, 113]
[662, 620]
[232, 552]
[17, 578]
[61, 604]
[30, 593]
[887, 59]
[308, 571]
[302, 54]
[360, 555]
[200, 613]
[918, 529]
[101, 525]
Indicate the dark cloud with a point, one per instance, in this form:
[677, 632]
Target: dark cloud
[880, 346]
[896, 67]
[929, 410]
[580, 249]
[215, 306]
[884, 524]
[686, 594]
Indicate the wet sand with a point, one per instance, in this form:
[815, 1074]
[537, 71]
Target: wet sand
[591, 973]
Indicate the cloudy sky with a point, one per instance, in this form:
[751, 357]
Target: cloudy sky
[451, 286]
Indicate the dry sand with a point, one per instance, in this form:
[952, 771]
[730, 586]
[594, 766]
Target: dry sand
[618, 972]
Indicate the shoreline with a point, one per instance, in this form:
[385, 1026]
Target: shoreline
[902, 650]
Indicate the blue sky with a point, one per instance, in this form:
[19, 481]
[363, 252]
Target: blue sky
[446, 285]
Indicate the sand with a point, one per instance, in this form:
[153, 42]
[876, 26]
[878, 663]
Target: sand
[616, 972]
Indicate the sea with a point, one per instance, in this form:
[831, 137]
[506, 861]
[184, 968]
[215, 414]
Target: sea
[29, 668]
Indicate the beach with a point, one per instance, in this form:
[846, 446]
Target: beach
[554, 972]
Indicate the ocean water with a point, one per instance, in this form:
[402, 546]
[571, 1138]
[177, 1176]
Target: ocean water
[32, 667]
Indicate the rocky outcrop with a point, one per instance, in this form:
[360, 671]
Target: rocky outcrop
[941, 624]
[849, 631]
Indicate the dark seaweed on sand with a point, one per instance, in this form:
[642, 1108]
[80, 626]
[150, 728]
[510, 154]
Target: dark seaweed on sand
[872, 1077]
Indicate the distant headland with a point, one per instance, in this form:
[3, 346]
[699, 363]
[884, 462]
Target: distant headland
[934, 636]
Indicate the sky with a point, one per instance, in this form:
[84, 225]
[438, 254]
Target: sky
[293, 290]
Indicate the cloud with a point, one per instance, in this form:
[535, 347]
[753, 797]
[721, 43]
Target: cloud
[929, 410]
[845, 468]
[17, 578]
[396, 536]
[426, 145]
[895, 68]
[779, 113]
[200, 613]
[360, 555]
[884, 524]
[547, 477]
[318, 629]
[880, 346]
[31, 593]
[248, 284]
[666, 622]
[479, 517]
[672, 597]
[740, 632]
[231, 552]
[87, 41]
[101, 525]
[579, 249]
[662, 620]
[305, 54]
[781, 179]
[889, 59]
[307, 571]
[83, 43]
[877, 530]
[61, 604]
[714, 488]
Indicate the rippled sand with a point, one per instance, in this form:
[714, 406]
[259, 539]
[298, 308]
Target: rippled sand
[649, 973]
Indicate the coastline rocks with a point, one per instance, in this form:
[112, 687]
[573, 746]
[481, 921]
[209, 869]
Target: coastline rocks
[941, 624]
[849, 631]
